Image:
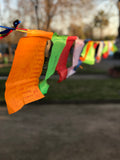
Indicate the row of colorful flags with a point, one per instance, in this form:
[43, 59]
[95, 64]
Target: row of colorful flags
[23, 86]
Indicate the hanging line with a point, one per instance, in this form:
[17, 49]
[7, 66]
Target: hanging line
[8, 30]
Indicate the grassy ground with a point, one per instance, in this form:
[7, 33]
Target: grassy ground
[88, 69]
[79, 90]
[2, 90]
[4, 71]
[76, 90]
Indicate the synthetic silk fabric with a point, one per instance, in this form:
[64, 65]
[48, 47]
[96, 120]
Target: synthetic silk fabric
[105, 52]
[61, 66]
[83, 50]
[114, 48]
[88, 53]
[76, 54]
[109, 46]
[59, 43]
[22, 83]
[99, 52]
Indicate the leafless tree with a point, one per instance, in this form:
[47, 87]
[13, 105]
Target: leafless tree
[75, 30]
[44, 11]
[101, 20]
[40, 14]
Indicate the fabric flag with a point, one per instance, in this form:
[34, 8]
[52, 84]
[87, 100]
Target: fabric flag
[88, 53]
[110, 47]
[22, 83]
[99, 52]
[76, 54]
[83, 50]
[61, 66]
[114, 48]
[105, 51]
[59, 43]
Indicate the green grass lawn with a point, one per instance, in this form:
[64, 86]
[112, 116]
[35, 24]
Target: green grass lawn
[87, 69]
[79, 90]
[90, 69]
[4, 71]
[2, 90]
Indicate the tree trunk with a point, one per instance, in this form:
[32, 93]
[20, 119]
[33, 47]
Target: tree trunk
[48, 23]
[101, 33]
[36, 13]
[92, 33]
[10, 51]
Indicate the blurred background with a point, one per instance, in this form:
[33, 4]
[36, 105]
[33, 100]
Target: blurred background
[87, 19]
[82, 120]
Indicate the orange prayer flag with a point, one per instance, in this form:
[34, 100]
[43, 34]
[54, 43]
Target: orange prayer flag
[22, 83]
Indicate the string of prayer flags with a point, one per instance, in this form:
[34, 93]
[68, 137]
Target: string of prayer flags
[23, 86]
